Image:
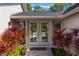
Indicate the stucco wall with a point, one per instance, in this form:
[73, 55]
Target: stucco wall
[5, 12]
[71, 21]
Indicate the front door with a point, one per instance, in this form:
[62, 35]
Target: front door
[44, 32]
[38, 32]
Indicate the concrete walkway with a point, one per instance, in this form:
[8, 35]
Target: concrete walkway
[46, 52]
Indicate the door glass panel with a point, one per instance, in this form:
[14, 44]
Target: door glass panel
[33, 30]
[44, 32]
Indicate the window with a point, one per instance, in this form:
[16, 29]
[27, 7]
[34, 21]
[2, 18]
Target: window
[33, 34]
[22, 25]
[57, 24]
[44, 32]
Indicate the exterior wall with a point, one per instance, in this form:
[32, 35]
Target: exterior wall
[5, 12]
[71, 21]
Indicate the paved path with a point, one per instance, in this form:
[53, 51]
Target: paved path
[40, 53]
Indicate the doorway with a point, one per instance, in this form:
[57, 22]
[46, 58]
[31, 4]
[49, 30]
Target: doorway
[38, 32]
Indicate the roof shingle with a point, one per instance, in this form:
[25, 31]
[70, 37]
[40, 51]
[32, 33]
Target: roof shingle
[37, 14]
[71, 8]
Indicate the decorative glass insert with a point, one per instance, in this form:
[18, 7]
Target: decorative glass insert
[33, 30]
[44, 32]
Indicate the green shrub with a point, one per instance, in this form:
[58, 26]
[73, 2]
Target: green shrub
[16, 52]
[59, 52]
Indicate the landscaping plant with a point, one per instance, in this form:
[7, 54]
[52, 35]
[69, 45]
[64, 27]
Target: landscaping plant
[60, 40]
[76, 40]
[23, 51]
[10, 37]
[59, 52]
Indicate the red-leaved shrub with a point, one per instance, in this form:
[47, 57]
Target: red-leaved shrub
[61, 40]
[11, 37]
[76, 39]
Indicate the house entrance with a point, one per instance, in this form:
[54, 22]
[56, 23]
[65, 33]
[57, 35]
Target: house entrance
[38, 32]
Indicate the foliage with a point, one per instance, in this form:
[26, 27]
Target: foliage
[59, 52]
[76, 39]
[61, 40]
[77, 45]
[57, 24]
[2, 47]
[29, 7]
[11, 37]
[68, 39]
[16, 52]
[23, 51]
[20, 50]
[58, 37]
[59, 7]
[37, 8]
[67, 5]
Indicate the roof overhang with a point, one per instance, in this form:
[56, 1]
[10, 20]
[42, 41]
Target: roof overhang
[34, 17]
[70, 13]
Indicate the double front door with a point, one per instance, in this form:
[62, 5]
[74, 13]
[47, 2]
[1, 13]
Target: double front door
[38, 32]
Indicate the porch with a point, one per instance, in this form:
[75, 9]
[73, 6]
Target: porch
[38, 29]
